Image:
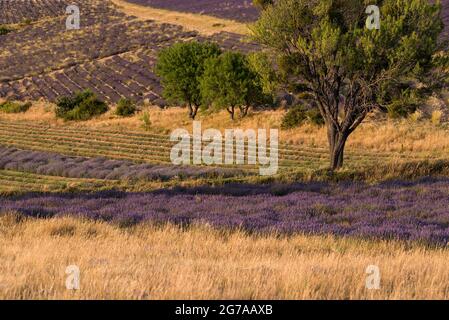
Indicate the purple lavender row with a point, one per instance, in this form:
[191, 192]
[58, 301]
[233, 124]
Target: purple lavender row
[54, 164]
[413, 211]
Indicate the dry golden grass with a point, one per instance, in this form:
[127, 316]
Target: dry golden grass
[380, 135]
[147, 262]
[204, 24]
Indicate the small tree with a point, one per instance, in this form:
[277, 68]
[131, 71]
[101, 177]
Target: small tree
[326, 48]
[229, 82]
[180, 68]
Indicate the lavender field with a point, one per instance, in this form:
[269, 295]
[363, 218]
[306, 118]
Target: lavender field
[239, 10]
[54, 164]
[413, 211]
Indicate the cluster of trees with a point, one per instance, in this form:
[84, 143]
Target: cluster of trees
[322, 51]
[201, 76]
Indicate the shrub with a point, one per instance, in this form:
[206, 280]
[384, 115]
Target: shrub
[14, 107]
[314, 117]
[436, 117]
[4, 30]
[400, 109]
[416, 116]
[82, 106]
[26, 22]
[294, 117]
[125, 108]
[146, 120]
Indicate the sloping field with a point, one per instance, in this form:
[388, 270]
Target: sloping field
[112, 54]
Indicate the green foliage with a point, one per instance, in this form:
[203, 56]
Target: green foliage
[229, 82]
[82, 106]
[298, 115]
[325, 48]
[125, 108]
[4, 30]
[400, 109]
[262, 4]
[14, 107]
[180, 68]
[26, 22]
[146, 120]
[294, 117]
[314, 117]
[260, 63]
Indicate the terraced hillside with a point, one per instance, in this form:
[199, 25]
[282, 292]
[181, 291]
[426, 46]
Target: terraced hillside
[112, 54]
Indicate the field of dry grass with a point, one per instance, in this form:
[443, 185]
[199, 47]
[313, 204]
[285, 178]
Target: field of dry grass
[166, 262]
[396, 136]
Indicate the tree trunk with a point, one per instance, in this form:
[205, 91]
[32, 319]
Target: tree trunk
[244, 111]
[193, 110]
[337, 142]
[190, 111]
[231, 111]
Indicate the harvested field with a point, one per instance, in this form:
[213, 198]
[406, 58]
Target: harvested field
[155, 148]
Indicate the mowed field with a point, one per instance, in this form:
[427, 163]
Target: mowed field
[105, 196]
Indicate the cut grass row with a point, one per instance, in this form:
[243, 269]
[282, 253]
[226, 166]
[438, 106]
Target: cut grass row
[153, 148]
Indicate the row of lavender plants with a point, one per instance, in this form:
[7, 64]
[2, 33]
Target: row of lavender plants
[54, 164]
[412, 211]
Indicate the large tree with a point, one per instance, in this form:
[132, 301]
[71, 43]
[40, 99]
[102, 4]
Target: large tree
[324, 48]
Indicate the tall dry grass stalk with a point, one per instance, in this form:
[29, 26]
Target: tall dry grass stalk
[148, 262]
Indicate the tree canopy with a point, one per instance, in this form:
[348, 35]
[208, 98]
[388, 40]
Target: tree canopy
[180, 68]
[324, 48]
[230, 82]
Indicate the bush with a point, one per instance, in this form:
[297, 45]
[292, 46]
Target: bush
[436, 117]
[82, 106]
[294, 118]
[314, 117]
[146, 120]
[14, 107]
[400, 109]
[4, 30]
[125, 108]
